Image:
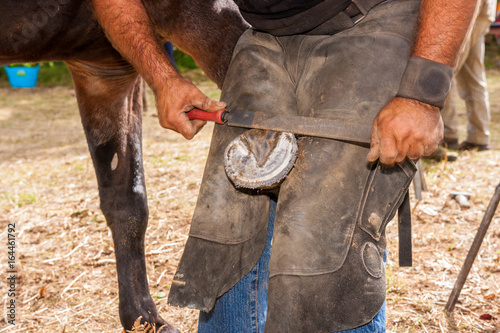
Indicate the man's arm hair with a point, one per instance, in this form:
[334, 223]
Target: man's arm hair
[442, 27]
[129, 29]
[406, 127]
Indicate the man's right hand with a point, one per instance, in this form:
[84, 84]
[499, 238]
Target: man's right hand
[176, 98]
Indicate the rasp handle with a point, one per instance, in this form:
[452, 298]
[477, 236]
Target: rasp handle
[217, 117]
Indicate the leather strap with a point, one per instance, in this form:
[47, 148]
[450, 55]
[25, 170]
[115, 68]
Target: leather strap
[362, 7]
[404, 230]
[346, 19]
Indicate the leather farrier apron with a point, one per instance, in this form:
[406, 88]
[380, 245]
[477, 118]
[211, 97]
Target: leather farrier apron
[326, 269]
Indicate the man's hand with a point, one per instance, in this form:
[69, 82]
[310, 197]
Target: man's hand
[177, 98]
[405, 128]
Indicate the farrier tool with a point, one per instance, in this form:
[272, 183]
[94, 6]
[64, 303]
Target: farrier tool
[307, 126]
[474, 250]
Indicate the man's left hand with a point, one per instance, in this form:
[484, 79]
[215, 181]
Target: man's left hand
[405, 128]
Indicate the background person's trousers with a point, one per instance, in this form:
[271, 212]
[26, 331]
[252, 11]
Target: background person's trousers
[470, 82]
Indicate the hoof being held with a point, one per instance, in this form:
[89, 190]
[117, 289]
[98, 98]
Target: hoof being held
[151, 328]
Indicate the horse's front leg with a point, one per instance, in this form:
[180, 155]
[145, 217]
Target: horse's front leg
[110, 102]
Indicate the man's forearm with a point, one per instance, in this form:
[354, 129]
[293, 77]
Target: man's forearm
[128, 27]
[442, 28]
[411, 126]
[443, 25]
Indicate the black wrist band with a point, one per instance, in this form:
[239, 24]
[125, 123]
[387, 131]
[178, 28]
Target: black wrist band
[426, 81]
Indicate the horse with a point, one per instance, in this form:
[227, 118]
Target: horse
[109, 95]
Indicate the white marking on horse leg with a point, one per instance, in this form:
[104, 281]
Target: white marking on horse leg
[114, 162]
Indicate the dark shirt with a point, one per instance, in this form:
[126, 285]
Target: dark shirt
[289, 17]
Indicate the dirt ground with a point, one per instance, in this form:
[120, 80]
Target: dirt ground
[65, 260]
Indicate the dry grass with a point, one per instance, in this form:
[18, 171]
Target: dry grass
[66, 260]
[442, 236]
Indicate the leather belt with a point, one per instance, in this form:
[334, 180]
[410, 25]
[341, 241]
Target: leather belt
[353, 10]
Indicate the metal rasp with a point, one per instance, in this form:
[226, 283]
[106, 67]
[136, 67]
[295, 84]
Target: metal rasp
[307, 126]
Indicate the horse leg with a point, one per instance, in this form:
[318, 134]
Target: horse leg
[109, 97]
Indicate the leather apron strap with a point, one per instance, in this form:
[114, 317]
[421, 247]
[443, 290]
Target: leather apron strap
[404, 230]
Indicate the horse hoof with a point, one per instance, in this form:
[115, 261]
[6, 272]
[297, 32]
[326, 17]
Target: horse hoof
[259, 159]
[168, 329]
[140, 325]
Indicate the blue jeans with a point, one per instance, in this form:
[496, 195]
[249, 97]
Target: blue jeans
[243, 309]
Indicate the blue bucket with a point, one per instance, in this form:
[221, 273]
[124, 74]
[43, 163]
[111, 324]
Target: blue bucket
[22, 77]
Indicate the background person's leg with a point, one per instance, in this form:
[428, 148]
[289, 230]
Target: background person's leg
[450, 119]
[471, 80]
[170, 50]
